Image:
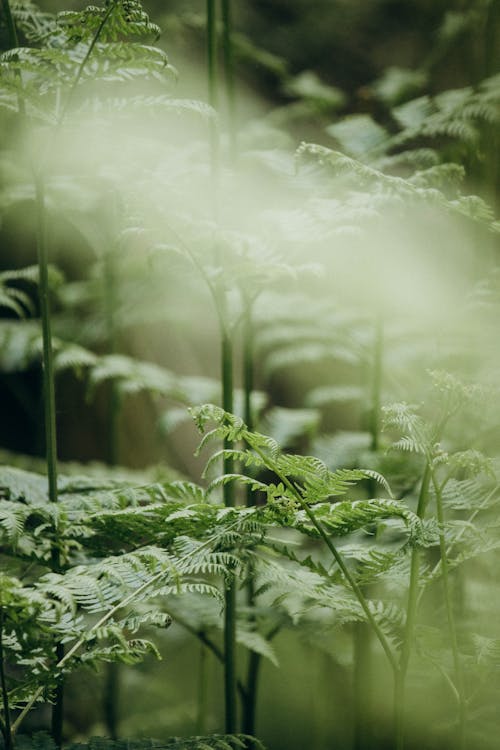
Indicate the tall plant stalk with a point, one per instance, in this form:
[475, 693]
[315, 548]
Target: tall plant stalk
[459, 677]
[228, 56]
[49, 416]
[11, 26]
[202, 697]
[414, 592]
[5, 725]
[362, 677]
[254, 659]
[110, 703]
[48, 358]
[411, 613]
[230, 679]
[211, 35]
[376, 386]
[227, 389]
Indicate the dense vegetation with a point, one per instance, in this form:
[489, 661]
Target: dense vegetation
[311, 286]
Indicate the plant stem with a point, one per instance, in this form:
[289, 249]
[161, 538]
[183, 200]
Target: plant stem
[111, 303]
[209, 644]
[110, 703]
[362, 678]
[227, 48]
[211, 34]
[248, 372]
[49, 414]
[254, 660]
[11, 26]
[413, 594]
[230, 680]
[451, 619]
[376, 391]
[250, 694]
[337, 557]
[411, 611]
[202, 692]
[5, 724]
[212, 52]
[57, 718]
[48, 357]
[361, 685]
[110, 699]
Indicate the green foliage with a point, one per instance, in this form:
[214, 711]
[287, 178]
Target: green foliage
[214, 742]
[391, 522]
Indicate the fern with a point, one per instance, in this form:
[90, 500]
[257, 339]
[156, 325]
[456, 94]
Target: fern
[42, 741]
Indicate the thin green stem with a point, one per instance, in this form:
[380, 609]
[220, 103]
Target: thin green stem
[211, 35]
[251, 688]
[212, 53]
[48, 357]
[250, 693]
[208, 643]
[11, 26]
[462, 714]
[411, 612]
[5, 724]
[110, 701]
[228, 56]
[446, 677]
[248, 366]
[111, 689]
[230, 680]
[337, 557]
[411, 609]
[362, 677]
[49, 413]
[202, 697]
[413, 594]
[57, 718]
[254, 660]
[376, 384]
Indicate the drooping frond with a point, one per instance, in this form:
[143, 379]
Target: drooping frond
[423, 187]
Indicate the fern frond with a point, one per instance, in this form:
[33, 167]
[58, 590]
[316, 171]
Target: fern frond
[254, 641]
[127, 19]
[210, 742]
[35, 24]
[342, 518]
[391, 619]
[158, 104]
[25, 486]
